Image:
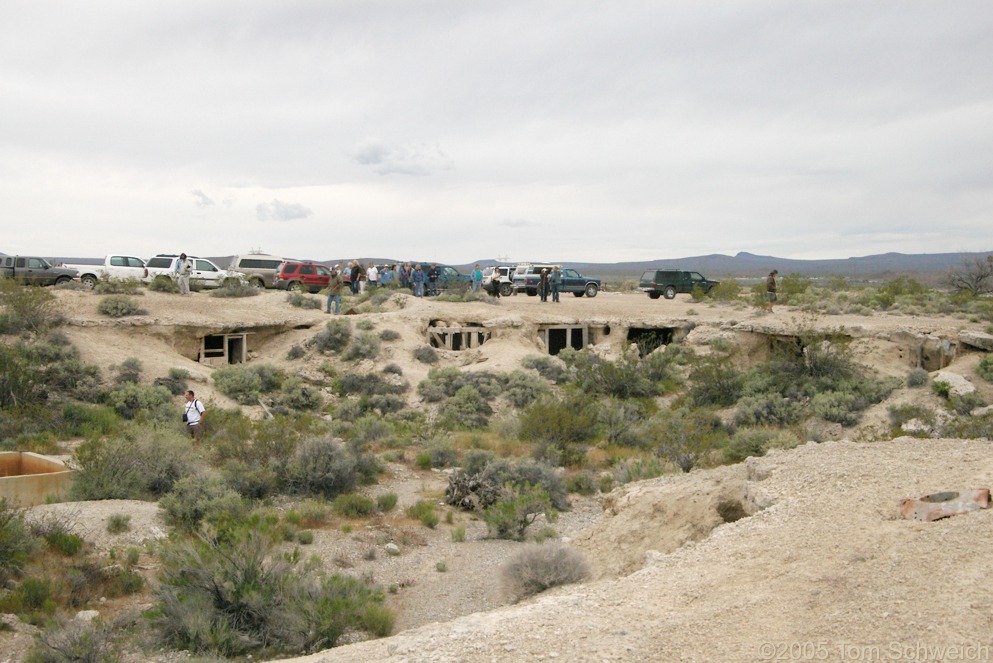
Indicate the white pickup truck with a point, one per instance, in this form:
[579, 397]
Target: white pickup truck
[113, 267]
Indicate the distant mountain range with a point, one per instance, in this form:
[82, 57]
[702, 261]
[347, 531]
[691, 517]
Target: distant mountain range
[741, 265]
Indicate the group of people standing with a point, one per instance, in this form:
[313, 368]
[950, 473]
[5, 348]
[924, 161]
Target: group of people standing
[412, 277]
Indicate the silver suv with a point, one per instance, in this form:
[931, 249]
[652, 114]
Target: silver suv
[258, 269]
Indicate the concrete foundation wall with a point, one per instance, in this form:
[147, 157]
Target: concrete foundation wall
[27, 479]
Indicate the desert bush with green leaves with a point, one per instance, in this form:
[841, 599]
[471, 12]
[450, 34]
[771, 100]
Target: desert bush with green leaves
[195, 498]
[550, 368]
[143, 463]
[560, 428]
[111, 286]
[686, 437]
[323, 466]
[363, 346]
[16, 541]
[119, 306]
[518, 506]
[245, 384]
[27, 308]
[239, 596]
[237, 288]
[334, 337]
[985, 368]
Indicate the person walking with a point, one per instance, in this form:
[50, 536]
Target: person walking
[543, 284]
[417, 279]
[555, 279]
[333, 290]
[183, 268]
[477, 279]
[771, 289]
[193, 415]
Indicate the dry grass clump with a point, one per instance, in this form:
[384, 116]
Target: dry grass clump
[538, 567]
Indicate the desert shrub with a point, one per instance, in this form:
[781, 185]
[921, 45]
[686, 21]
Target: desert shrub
[558, 428]
[441, 453]
[685, 437]
[131, 401]
[194, 499]
[236, 288]
[466, 409]
[369, 384]
[767, 409]
[521, 388]
[301, 300]
[234, 597]
[119, 306]
[548, 367]
[444, 383]
[966, 403]
[118, 523]
[334, 337]
[727, 290]
[386, 501]
[245, 384]
[747, 442]
[972, 427]
[583, 483]
[426, 355]
[73, 642]
[26, 308]
[299, 395]
[370, 427]
[844, 408]
[538, 567]
[16, 541]
[483, 478]
[141, 464]
[917, 377]
[321, 467]
[81, 420]
[985, 368]
[517, 507]
[715, 382]
[353, 505]
[128, 370]
[109, 286]
[393, 369]
[363, 346]
[295, 352]
[624, 378]
[365, 324]
[255, 481]
[163, 284]
[424, 511]
[388, 335]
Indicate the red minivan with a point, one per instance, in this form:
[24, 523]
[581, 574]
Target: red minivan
[302, 276]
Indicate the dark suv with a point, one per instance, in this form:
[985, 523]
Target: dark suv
[527, 276]
[667, 282]
[302, 276]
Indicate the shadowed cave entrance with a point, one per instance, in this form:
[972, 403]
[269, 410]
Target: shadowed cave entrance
[650, 339]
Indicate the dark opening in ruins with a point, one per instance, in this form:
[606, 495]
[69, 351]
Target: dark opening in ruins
[559, 337]
[463, 337]
[649, 339]
[221, 349]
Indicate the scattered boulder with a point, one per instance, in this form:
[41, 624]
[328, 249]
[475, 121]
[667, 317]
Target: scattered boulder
[959, 385]
[977, 339]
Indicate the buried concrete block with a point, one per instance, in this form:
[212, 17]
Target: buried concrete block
[944, 504]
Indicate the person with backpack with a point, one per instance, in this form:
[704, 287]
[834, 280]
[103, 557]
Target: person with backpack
[193, 416]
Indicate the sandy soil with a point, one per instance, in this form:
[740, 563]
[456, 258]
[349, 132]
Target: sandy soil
[820, 567]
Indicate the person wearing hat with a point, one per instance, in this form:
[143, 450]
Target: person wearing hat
[183, 268]
[333, 290]
[770, 289]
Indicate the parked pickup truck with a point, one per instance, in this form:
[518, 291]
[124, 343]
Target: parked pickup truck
[34, 270]
[113, 267]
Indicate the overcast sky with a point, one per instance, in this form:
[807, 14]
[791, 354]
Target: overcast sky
[456, 130]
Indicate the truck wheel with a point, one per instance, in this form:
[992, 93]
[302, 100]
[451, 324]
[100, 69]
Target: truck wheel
[580, 293]
[669, 292]
[295, 286]
[654, 295]
[62, 279]
[257, 283]
[506, 290]
[592, 289]
[89, 280]
[532, 292]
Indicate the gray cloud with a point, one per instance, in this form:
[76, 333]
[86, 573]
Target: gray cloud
[406, 159]
[277, 210]
[202, 200]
